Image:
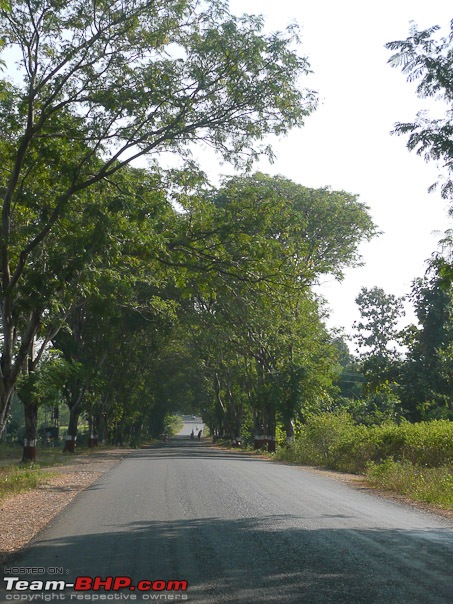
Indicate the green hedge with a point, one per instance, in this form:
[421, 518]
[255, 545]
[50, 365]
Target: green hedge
[332, 440]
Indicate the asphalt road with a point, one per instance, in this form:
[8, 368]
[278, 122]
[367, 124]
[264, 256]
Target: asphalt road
[242, 530]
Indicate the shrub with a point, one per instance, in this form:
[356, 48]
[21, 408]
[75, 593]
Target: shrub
[333, 440]
[411, 459]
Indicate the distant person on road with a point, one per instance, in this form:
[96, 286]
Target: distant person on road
[192, 435]
[199, 434]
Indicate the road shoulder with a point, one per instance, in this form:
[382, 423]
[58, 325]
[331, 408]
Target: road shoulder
[356, 481]
[24, 515]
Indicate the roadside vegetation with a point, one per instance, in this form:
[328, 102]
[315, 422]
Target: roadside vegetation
[17, 479]
[173, 424]
[415, 460]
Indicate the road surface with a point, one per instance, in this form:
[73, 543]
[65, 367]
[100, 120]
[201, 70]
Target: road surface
[239, 530]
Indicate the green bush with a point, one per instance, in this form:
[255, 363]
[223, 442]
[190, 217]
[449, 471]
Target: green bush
[430, 443]
[332, 440]
[319, 440]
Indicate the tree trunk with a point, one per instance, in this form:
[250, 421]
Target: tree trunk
[31, 403]
[6, 397]
[259, 439]
[13, 363]
[75, 406]
[31, 431]
[289, 429]
[103, 428]
[71, 435]
[265, 429]
[93, 427]
[219, 408]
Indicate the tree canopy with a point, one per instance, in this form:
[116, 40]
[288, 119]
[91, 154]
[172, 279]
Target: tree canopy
[94, 88]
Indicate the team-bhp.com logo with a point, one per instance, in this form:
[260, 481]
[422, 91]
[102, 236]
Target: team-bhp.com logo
[114, 584]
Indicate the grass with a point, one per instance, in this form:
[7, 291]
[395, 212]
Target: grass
[17, 479]
[12, 454]
[428, 485]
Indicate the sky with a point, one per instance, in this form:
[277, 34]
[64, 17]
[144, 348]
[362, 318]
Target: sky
[346, 144]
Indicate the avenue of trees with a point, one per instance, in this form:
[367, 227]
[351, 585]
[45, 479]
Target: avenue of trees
[88, 88]
[130, 292]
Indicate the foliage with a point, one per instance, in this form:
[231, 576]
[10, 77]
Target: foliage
[333, 440]
[426, 375]
[429, 485]
[173, 424]
[253, 323]
[377, 335]
[377, 331]
[430, 62]
[98, 88]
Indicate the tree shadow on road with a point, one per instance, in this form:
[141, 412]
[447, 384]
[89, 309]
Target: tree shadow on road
[262, 560]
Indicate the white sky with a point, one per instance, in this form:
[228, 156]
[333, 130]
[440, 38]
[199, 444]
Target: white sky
[346, 143]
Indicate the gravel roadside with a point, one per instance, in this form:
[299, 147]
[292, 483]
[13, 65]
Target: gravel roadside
[24, 515]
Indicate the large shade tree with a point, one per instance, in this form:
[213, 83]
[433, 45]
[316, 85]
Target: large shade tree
[427, 376]
[267, 241]
[94, 86]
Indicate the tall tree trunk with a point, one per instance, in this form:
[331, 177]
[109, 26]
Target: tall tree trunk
[31, 403]
[103, 428]
[75, 405]
[265, 428]
[93, 427]
[31, 430]
[6, 397]
[259, 439]
[71, 435]
[11, 364]
[271, 428]
[289, 429]
[219, 408]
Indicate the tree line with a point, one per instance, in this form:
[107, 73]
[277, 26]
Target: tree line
[408, 372]
[128, 291]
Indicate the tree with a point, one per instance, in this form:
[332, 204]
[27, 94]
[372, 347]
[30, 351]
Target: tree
[296, 232]
[349, 382]
[105, 84]
[377, 337]
[41, 384]
[427, 377]
[429, 61]
[266, 241]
